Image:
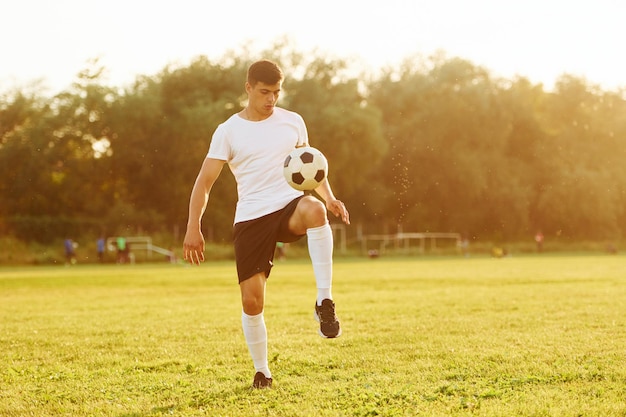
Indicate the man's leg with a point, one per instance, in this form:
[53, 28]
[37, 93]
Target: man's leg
[320, 243]
[253, 324]
[310, 218]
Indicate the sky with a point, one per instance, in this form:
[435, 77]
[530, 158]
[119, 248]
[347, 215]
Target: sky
[51, 41]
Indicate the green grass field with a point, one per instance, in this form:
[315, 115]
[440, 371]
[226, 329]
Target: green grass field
[523, 336]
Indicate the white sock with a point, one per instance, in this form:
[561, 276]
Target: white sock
[255, 333]
[320, 241]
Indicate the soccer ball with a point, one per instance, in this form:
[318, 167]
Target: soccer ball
[305, 168]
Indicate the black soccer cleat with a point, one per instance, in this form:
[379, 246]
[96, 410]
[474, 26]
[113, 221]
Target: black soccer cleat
[261, 381]
[329, 323]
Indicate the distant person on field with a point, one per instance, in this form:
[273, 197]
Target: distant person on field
[539, 241]
[122, 249]
[281, 250]
[100, 248]
[254, 143]
[70, 254]
[128, 257]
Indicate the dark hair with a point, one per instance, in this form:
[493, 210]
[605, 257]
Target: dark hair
[264, 71]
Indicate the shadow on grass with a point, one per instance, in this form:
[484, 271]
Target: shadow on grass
[154, 411]
[203, 400]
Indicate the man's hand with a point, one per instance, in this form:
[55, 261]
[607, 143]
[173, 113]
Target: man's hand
[338, 209]
[193, 247]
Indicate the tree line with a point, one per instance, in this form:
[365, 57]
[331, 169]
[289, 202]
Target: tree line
[435, 144]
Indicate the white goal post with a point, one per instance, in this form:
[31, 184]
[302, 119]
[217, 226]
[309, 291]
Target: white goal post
[136, 243]
[422, 237]
[339, 236]
[403, 240]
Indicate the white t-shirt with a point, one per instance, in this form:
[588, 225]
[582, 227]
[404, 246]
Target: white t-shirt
[256, 152]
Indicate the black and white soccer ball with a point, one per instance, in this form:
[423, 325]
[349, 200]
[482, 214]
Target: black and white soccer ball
[305, 168]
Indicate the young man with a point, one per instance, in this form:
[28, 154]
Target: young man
[255, 142]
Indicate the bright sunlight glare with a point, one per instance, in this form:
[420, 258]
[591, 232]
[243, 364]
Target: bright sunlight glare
[540, 40]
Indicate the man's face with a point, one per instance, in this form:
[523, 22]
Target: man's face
[263, 97]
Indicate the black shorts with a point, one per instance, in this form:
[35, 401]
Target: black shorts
[255, 241]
